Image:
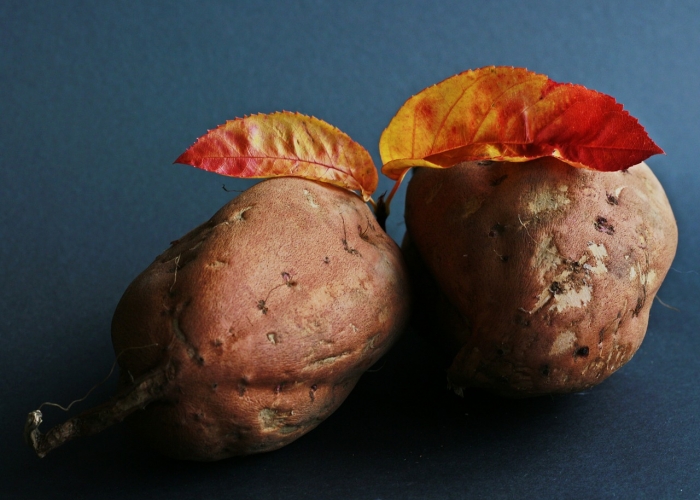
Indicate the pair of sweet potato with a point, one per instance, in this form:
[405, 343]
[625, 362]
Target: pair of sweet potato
[536, 277]
[541, 277]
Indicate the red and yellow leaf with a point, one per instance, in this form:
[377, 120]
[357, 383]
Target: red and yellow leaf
[284, 144]
[512, 114]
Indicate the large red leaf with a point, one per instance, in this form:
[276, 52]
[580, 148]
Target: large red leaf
[512, 114]
[284, 144]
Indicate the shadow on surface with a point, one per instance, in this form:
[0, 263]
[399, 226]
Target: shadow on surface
[399, 425]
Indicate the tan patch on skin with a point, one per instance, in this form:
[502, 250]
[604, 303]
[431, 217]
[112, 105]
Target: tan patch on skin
[369, 344]
[433, 193]
[548, 201]
[599, 253]
[384, 314]
[310, 198]
[547, 257]
[314, 365]
[271, 419]
[648, 185]
[561, 288]
[240, 215]
[470, 207]
[650, 278]
[543, 298]
[645, 279]
[572, 298]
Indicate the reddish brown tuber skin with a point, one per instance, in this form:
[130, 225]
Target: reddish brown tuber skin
[537, 277]
[254, 327]
[268, 314]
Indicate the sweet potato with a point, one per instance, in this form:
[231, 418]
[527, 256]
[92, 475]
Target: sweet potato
[542, 275]
[255, 326]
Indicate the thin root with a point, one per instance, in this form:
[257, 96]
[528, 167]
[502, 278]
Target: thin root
[177, 263]
[667, 305]
[525, 228]
[114, 365]
[148, 388]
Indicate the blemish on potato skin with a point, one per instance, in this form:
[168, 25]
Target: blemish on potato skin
[433, 193]
[498, 180]
[288, 429]
[470, 207]
[268, 418]
[364, 232]
[346, 245]
[640, 304]
[369, 343]
[572, 297]
[547, 257]
[599, 253]
[611, 329]
[502, 258]
[581, 352]
[547, 201]
[563, 343]
[601, 224]
[240, 215]
[310, 199]
[328, 360]
[288, 279]
[496, 230]
[180, 335]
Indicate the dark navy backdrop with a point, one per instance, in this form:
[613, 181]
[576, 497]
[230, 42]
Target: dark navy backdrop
[98, 99]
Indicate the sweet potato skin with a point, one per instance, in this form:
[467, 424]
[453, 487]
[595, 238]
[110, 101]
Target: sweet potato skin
[543, 275]
[267, 315]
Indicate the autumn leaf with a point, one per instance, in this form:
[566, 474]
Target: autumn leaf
[511, 114]
[284, 144]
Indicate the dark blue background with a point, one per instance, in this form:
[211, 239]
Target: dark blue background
[97, 100]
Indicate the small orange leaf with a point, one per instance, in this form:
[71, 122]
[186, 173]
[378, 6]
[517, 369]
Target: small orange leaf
[511, 114]
[284, 144]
